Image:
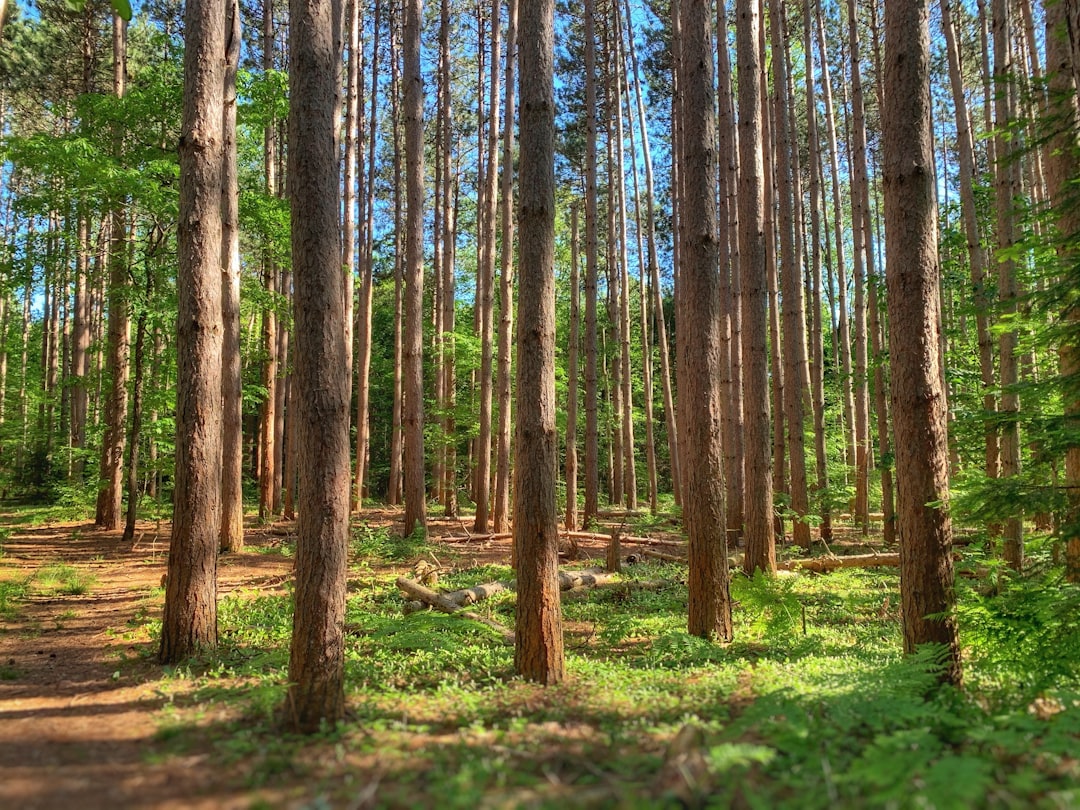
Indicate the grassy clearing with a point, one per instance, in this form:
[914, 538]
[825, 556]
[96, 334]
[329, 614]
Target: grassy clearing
[812, 706]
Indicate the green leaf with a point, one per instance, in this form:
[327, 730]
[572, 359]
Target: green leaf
[123, 8]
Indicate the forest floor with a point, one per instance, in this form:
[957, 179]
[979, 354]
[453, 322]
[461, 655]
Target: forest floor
[812, 706]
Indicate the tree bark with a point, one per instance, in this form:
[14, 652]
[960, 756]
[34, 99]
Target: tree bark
[758, 505]
[316, 695]
[703, 510]
[232, 439]
[570, 520]
[190, 619]
[538, 651]
[592, 425]
[924, 527]
[413, 339]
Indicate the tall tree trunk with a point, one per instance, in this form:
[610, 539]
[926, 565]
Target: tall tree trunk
[413, 340]
[447, 395]
[353, 91]
[1007, 186]
[108, 513]
[844, 332]
[538, 651]
[758, 502]
[592, 424]
[817, 352]
[316, 694]
[232, 440]
[572, 379]
[977, 260]
[926, 569]
[487, 270]
[506, 283]
[1063, 166]
[862, 256]
[709, 598]
[267, 454]
[190, 619]
[397, 433]
[796, 373]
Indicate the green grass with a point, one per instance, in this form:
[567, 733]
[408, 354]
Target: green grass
[63, 579]
[813, 705]
[11, 593]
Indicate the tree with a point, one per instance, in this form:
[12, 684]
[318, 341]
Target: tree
[232, 441]
[592, 423]
[538, 649]
[317, 655]
[703, 458]
[758, 504]
[918, 398]
[413, 406]
[190, 619]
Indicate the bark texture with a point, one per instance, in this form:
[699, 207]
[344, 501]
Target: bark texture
[918, 397]
[316, 657]
[190, 619]
[703, 508]
[538, 651]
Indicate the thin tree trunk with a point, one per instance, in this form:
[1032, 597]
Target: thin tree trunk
[1007, 186]
[397, 433]
[353, 92]
[506, 284]
[413, 338]
[232, 440]
[758, 502]
[267, 455]
[592, 426]
[572, 379]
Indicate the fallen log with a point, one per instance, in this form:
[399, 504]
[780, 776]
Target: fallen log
[441, 603]
[822, 565]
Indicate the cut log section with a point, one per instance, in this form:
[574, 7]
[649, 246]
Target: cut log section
[823, 565]
[441, 603]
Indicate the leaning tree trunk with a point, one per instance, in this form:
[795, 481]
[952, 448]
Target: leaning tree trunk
[919, 413]
[316, 695]
[190, 620]
[538, 650]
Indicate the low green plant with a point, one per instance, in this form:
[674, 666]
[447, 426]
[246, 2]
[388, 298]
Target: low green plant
[12, 592]
[61, 578]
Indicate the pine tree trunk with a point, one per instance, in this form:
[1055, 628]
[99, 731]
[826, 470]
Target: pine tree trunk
[267, 454]
[506, 283]
[190, 619]
[796, 374]
[1063, 167]
[1007, 186]
[709, 598]
[316, 694]
[413, 338]
[925, 530]
[232, 440]
[572, 379]
[538, 650]
[592, 424]
[758, 502]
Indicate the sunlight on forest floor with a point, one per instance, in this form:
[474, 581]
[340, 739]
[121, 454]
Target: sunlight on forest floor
[812, 705]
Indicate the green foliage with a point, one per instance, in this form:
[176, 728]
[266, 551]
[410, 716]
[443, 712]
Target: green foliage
[380, 543]
[12, 592]
[61, 578]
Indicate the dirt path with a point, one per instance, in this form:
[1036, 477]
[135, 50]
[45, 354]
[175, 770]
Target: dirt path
[78, 694]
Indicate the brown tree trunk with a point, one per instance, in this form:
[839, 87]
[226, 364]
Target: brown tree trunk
[487, 271]
[506, 283]
[353, 91]
[796, 373]
[316, 694]
[267, 454]
[1007, 186]
[926, 569]
[760, 547]
[709, 598]
[232, 439]
[108, 513]
[592, 425]
[572, 379]
[817, 352]
[1063, 166]
[394, 488]
[413, 342]
[538, 649]
[190, 619]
